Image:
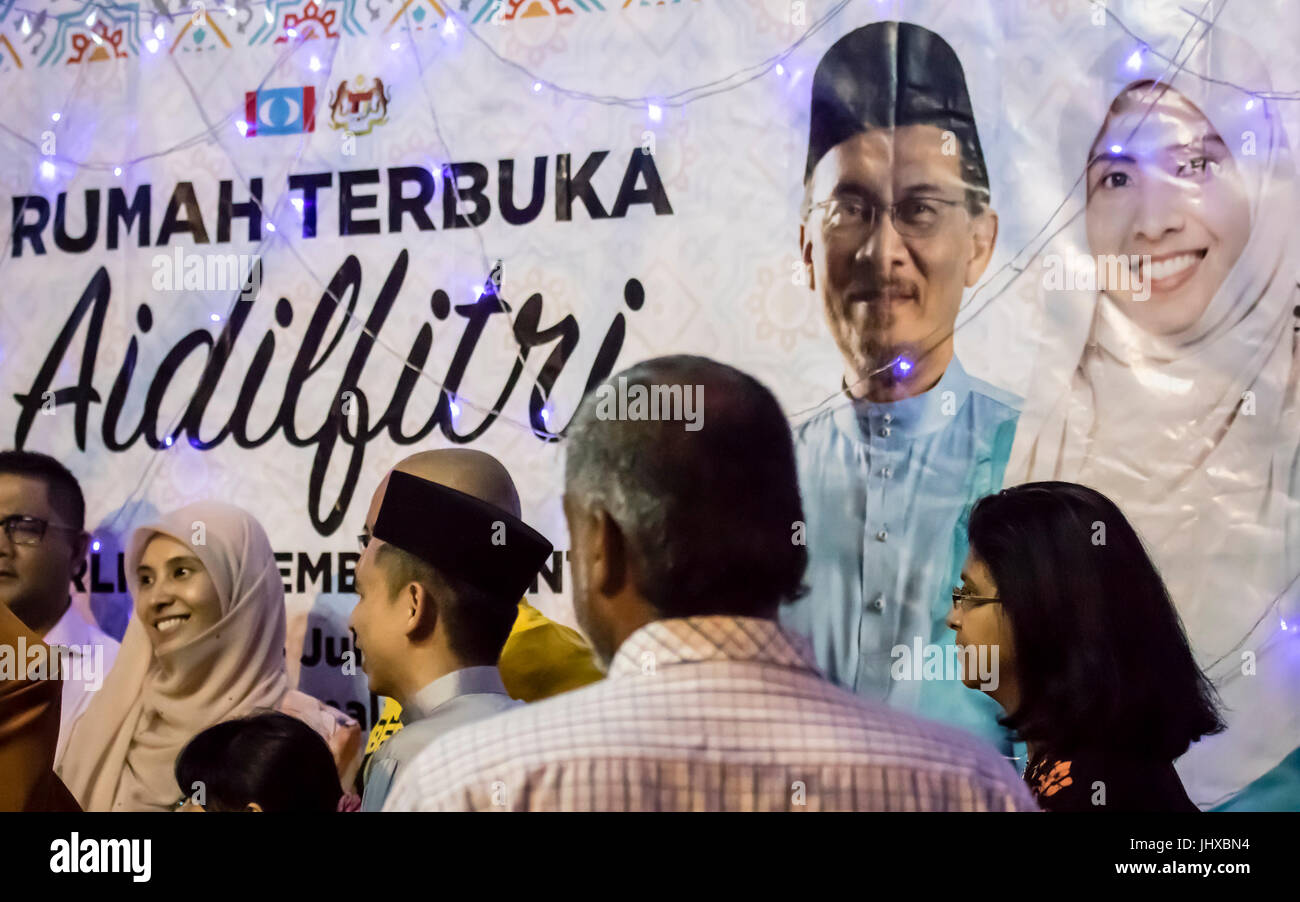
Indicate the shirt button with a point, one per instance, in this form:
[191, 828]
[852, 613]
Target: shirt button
[882, 535]
[879, 603]
[888, 418]
[886, 472]
[884, 431]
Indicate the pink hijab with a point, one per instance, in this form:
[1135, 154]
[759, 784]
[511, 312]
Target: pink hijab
[122, 752]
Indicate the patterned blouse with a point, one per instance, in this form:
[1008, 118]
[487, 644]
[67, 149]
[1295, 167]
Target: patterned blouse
[1097, 781]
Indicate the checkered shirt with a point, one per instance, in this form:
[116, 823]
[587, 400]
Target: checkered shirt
[709, 714]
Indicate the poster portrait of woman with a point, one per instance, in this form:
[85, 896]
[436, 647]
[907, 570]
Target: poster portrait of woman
[1172, 389]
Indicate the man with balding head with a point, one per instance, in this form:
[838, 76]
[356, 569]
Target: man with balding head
[463, 469]
[440, 622]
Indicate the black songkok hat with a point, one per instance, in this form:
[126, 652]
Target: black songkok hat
[891, 74]
[459, 535]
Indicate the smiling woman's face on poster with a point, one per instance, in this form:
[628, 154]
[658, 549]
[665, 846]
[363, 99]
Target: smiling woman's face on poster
[1162, 182]
[1172, 392]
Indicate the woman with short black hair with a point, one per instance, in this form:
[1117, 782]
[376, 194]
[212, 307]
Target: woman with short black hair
[1093, 668]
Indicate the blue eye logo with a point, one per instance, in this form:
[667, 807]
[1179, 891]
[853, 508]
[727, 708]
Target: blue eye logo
[280, 111]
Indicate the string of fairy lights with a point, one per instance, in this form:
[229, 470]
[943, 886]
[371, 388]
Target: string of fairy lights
[449, 30]
[653, 106]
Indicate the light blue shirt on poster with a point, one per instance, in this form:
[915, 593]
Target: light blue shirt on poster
[887, 491]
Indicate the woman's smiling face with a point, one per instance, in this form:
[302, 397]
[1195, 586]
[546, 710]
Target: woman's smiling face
[1162, 182]
[177, 600]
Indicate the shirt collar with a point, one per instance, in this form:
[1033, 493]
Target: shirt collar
[466, 681]
[927, 412]
[711, 638]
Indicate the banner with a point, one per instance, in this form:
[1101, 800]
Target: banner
[261, 251]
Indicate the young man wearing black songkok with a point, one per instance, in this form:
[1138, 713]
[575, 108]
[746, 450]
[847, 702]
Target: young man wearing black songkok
[439, 584]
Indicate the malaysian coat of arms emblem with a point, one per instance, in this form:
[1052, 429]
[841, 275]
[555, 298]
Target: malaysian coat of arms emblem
[357, 108]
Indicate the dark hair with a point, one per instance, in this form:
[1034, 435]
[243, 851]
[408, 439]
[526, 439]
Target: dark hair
[60, 485]
[1101, 658]
[710, 514]
[477, 622]
[271, 758]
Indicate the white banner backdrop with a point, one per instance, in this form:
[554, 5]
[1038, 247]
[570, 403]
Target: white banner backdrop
[629, 174]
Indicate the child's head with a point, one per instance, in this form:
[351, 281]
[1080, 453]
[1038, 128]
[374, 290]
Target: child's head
[266, 762]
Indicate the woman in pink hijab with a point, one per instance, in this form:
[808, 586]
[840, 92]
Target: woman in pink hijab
[205, 644]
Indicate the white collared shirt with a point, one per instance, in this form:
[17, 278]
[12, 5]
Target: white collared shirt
[453, 700]
[82, 676]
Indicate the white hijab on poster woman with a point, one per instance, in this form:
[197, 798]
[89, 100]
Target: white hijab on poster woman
[1195, 434]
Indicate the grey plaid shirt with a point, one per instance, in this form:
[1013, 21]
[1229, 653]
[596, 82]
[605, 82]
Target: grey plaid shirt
[708, 714]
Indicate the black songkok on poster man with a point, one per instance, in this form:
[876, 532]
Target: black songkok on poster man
[461, 536]
[888, 75]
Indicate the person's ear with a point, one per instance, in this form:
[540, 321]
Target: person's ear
[80, 544]
[610, 570]
[984, 235]
[421, 610]
[806, 254]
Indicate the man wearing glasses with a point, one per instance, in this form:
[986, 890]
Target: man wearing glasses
[896, 225]
[42, 547]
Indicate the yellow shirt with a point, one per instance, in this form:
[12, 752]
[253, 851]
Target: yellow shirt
[541, 658]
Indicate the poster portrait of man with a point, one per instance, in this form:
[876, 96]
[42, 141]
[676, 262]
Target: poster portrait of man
[897, 224]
